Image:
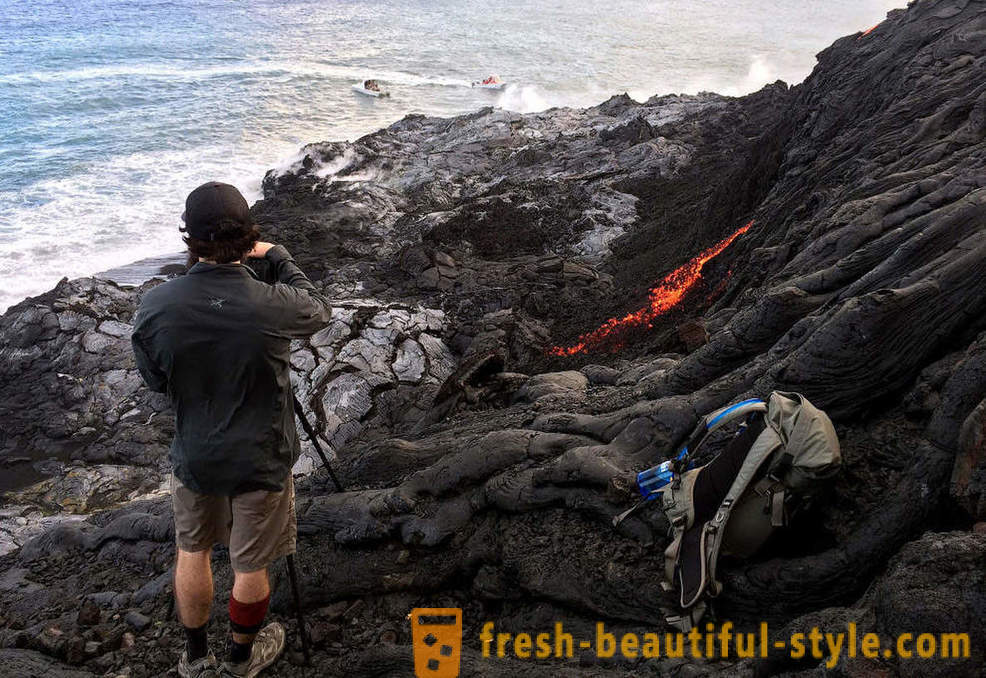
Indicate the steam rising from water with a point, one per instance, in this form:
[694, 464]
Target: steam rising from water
[523, 99]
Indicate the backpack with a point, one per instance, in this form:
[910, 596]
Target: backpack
[784, 450]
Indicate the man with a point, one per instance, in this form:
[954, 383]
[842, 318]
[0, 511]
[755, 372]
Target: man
[217, 341]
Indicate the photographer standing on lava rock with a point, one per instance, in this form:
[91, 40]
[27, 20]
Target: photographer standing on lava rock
[217, 341]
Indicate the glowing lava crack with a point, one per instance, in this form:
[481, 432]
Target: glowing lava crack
[664, 296]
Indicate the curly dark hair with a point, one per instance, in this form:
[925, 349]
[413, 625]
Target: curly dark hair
[232, 242]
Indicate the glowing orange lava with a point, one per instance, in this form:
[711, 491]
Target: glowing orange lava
[661, 298]
[867, 31]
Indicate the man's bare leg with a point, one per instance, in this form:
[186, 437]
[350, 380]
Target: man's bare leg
[193, 594]
[193, 587]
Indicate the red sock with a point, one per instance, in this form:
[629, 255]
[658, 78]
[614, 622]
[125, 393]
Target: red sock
[247, 618]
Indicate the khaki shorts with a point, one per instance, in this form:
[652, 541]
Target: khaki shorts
[258, 527]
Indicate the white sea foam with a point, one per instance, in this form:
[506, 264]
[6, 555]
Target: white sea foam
[305, 69]
[330, 169]
[289, 164]
[125, 209]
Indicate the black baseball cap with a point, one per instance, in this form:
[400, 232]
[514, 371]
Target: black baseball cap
[210, 203]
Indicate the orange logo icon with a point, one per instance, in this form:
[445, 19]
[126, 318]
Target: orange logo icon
[437, 636]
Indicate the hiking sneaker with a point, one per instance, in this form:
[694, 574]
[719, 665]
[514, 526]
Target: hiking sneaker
[205, 667]
[267, 647]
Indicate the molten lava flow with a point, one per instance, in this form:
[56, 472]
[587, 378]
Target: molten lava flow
[664, 296]
[867, 31]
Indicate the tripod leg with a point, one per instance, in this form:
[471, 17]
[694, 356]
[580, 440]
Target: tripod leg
[310, 432]
[293, 576]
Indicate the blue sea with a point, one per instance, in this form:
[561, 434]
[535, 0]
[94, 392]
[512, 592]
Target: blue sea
[112, 110]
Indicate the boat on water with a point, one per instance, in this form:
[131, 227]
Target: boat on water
[492, 82]
[370, 88]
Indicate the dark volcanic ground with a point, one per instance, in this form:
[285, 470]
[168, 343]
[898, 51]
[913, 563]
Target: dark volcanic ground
[482, 470]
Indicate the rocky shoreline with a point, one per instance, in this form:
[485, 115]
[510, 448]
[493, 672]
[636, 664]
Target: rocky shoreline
[484, 435]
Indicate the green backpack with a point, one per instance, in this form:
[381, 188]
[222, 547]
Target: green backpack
[784, 451]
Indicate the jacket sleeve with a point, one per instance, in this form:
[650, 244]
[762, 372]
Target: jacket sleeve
[305, 310]
[154, 377]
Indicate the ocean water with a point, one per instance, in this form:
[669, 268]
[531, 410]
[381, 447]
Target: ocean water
[112, 110]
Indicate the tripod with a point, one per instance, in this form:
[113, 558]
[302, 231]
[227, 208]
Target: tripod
[292, 573]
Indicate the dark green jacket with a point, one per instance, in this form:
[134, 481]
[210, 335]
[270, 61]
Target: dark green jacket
[217, 341]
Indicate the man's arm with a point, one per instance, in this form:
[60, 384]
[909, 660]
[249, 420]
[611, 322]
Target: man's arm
[154, 377]
[306, 310]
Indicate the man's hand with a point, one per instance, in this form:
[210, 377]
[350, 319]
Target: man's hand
[259, 250]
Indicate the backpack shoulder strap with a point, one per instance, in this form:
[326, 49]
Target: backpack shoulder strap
[765, 445]
[688, 619]
[680, 510]
[677, 498]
